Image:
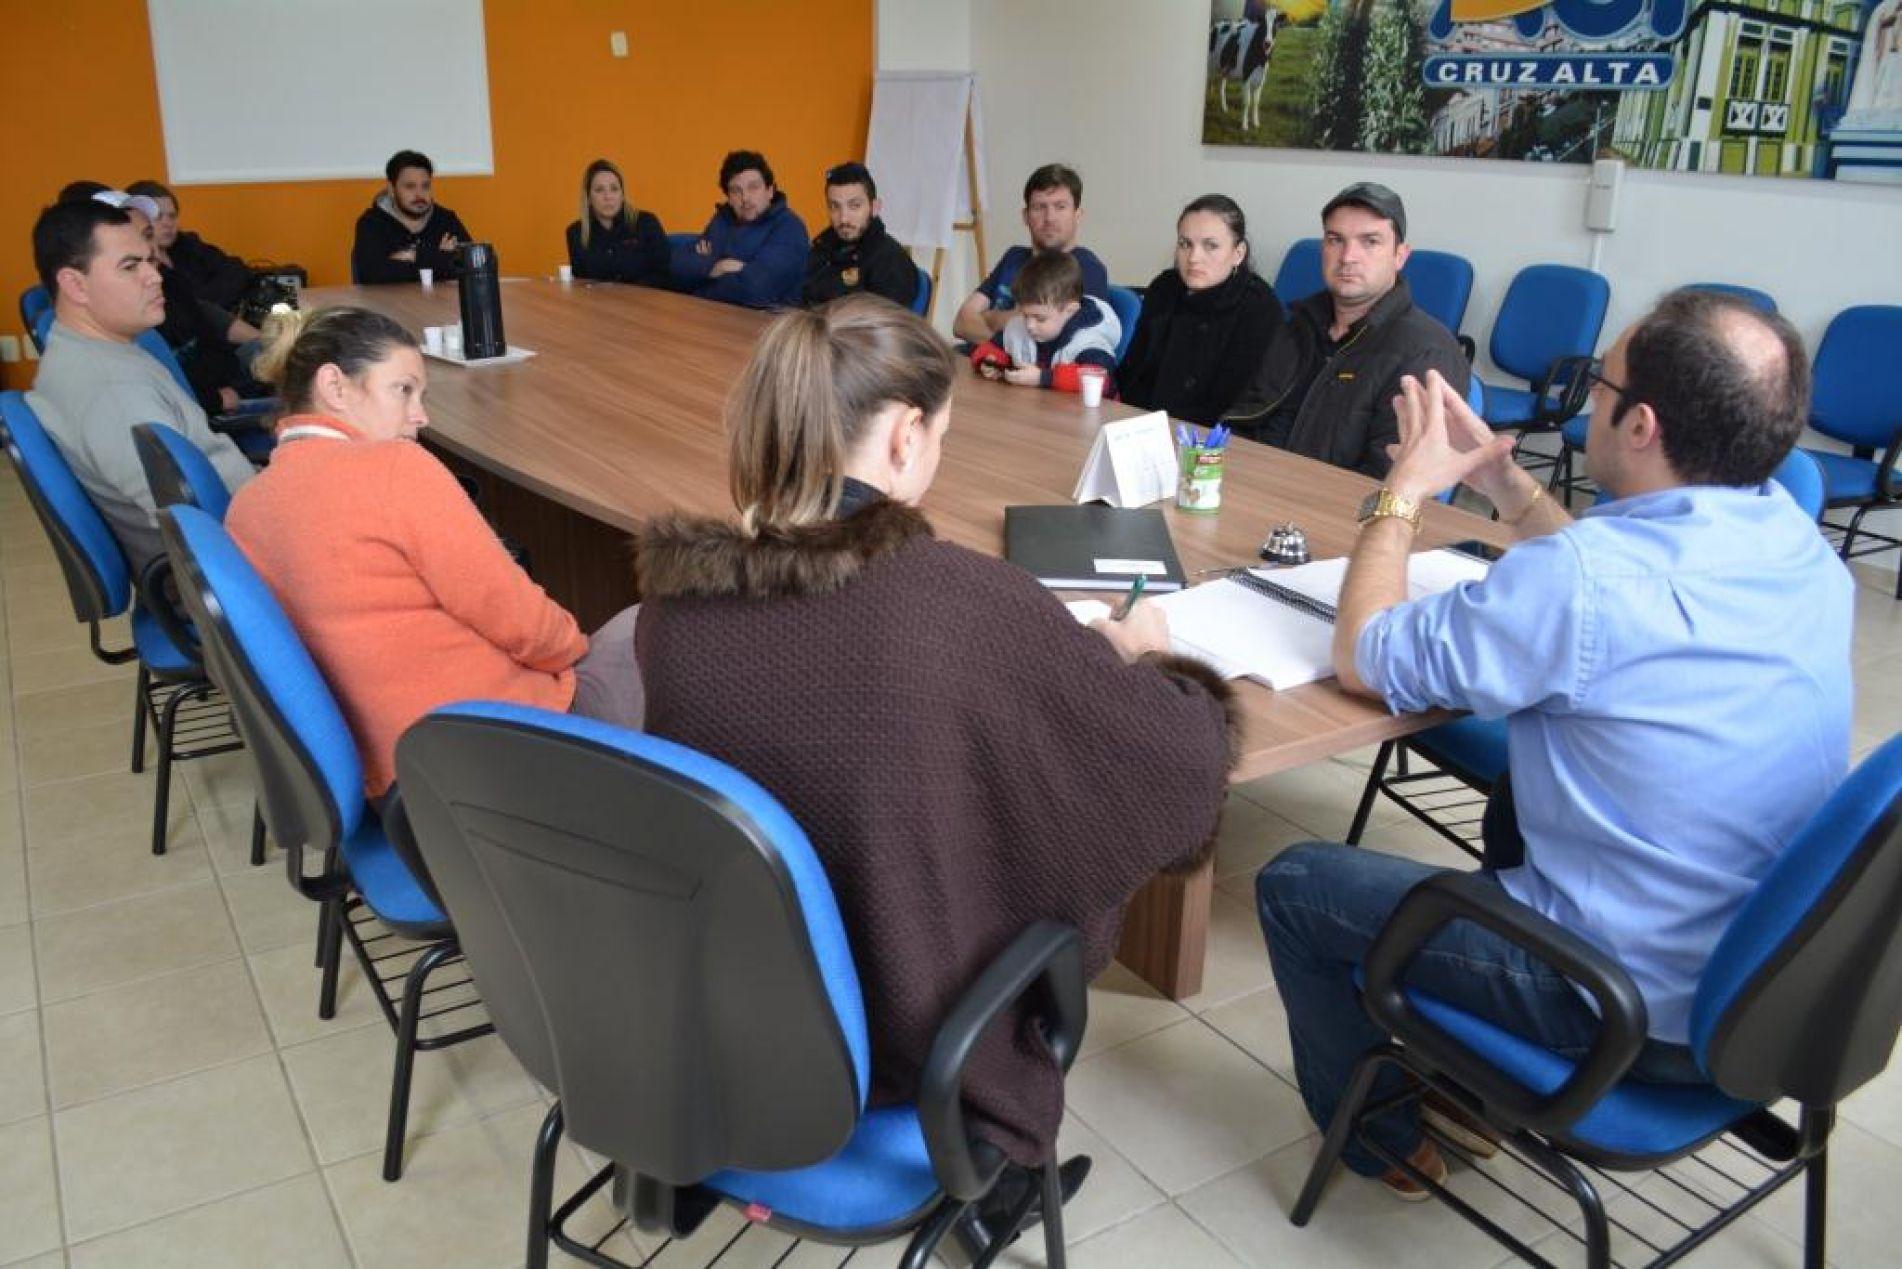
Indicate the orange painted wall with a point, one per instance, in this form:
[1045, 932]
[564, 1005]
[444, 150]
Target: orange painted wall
[793, 80]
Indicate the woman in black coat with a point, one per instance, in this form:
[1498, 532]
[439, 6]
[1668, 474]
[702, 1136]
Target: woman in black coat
[612, 242]
[1205, 324]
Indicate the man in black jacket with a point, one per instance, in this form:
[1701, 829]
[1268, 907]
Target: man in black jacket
[405, 229]
[856, 254]
[1326, 387]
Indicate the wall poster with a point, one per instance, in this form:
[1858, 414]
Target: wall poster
[1789, 88]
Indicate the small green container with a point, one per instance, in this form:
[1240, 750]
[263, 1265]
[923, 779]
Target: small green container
[1199, 490]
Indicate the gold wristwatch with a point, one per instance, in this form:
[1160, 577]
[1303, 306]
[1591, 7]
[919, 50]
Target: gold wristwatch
[1385, 502]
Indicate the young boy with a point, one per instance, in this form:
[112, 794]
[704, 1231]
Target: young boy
[1055, 332]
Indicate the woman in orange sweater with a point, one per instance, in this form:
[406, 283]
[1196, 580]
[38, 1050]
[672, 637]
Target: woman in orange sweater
[400, 589]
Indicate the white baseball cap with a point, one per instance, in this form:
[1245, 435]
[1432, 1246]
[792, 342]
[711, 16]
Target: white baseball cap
[128, 202]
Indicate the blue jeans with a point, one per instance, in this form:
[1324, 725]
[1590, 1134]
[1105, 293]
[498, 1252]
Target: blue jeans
[1321, 906]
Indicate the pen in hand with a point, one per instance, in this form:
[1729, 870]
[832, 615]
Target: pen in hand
[1135, 593]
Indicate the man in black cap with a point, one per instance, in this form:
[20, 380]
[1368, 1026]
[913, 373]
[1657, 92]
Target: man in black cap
[1326, 386]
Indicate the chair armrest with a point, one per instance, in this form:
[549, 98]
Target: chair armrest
[1886, 486]
[249, 416]
[1448, 897]
[154, 595]
[1046, 959]
[1567, 374]
[394, 818]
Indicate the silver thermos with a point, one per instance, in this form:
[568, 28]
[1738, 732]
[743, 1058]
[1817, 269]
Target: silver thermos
[481, 303]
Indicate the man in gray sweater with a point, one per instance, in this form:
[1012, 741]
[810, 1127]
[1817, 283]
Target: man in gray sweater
[94, 383]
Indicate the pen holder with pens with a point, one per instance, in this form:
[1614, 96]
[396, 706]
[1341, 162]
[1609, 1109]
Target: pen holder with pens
[1199, 487]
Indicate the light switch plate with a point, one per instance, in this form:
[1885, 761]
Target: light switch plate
[617, 43]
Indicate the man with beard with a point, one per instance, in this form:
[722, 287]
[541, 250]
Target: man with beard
[406, 229]
[753, 250]
[856, 254]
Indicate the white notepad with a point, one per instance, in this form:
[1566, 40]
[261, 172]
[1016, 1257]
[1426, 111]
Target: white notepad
[1276, 626]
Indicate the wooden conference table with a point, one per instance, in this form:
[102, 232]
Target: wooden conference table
[618, 417]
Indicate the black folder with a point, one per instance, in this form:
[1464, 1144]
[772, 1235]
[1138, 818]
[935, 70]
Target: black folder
[1092, 547]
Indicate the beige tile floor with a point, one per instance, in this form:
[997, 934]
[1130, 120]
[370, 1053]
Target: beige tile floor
[169, 1097]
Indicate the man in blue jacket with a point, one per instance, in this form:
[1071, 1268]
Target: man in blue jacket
[753, 250]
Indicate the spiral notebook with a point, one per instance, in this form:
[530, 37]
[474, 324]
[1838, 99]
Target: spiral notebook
[1276, 626]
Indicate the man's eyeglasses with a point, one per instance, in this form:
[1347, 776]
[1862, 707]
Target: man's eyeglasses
[1595, 373]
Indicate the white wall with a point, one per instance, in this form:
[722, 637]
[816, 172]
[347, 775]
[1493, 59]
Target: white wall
[1115, 88]
[933, 35]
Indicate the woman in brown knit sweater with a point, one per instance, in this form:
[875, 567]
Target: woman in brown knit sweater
[964, 756]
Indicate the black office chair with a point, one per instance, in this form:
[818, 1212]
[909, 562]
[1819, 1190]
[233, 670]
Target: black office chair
[659, 945]
[1801, 999]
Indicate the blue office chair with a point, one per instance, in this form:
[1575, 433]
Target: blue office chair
[36, 314]
[171, 691]
[659, 945]
[1129, 309]
[1300, 273]
[1545, 333]
[1762, 299]
[1468, 755]
[1441, 283]
[1800, 999]
[310, 782]
[41, 327]
[178, 471]
[1572, 432]
[921, 302]
[1855, 401]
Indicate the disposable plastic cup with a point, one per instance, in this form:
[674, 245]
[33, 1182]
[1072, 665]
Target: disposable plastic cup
[1090, 382]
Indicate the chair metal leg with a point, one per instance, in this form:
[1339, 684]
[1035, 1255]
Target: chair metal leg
[257, 834]
[162, 795]
[541, 1188]
[924, 1243]
[1368, 793]
[139, 708]
[1816, 1187]
[407, 1020]
[329, 955]
[1359, 1085]
[1052, 1216]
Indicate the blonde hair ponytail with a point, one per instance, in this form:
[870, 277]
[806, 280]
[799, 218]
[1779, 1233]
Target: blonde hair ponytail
[300, 343]
[280, 332]
[815, 379]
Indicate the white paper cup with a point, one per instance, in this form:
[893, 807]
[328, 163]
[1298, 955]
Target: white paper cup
[432, 338]
[1090, 382]
[452, 338]
[427, 277]
[567, 273]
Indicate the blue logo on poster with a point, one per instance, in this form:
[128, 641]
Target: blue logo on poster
[1583, 20]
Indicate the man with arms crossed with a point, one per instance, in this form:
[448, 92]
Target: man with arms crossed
[406, 230]
[1674, 671]
[94, 383]
[1053, 212]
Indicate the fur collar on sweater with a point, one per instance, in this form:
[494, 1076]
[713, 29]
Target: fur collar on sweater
[680, 556]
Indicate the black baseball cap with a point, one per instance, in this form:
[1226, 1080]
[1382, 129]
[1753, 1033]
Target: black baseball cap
[1377, 199]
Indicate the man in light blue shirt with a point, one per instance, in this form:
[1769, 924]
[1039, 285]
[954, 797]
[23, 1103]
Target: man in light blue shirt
[1674, 669]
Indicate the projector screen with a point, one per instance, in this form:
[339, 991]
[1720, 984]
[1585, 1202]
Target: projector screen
[310, 90]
